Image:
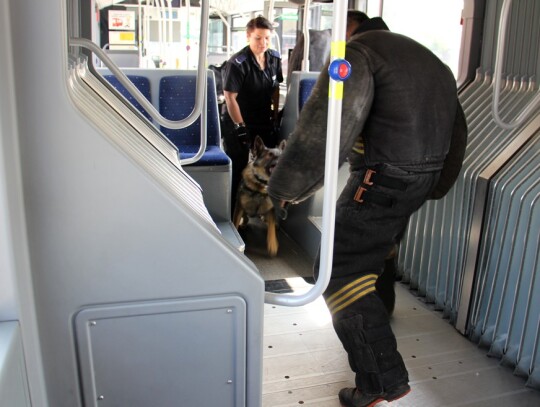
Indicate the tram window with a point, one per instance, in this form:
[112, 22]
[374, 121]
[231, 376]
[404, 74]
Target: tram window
[326, 17]
[238, 26]
[433, 23]
[217, 48]
[288, 20]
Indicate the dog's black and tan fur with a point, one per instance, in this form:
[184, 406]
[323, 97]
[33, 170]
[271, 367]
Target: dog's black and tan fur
[252, 197]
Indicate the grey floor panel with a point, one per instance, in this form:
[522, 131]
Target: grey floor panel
[291, 260]
[304, 363]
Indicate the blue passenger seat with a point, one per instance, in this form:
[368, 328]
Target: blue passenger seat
[300, 87]
[176, 101]
[172, 93]
[141, 82]
[304, 90]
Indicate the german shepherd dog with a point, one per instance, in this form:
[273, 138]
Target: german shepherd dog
[252, 197]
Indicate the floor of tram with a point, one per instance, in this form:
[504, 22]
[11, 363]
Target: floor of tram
[304, 363]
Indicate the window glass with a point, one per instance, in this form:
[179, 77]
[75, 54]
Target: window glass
[433, 23]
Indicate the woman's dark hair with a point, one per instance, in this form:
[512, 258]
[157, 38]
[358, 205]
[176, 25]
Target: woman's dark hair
[259, 22]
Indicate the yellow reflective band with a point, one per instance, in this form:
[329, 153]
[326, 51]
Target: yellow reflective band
[338, 91]
[337, 49]
[344, 296]
[350, 292]
[353, 299]
[351, 285]
[358, 288]
[338, 95]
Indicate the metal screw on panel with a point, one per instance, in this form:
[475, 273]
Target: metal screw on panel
[229, 311]
[229, 381]
[101, 398]
[93, 323]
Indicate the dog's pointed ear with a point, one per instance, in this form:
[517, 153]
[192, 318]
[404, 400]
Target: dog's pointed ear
[282, 145]
[258, 146]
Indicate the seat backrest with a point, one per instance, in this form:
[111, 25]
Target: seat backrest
[176, 101]
[304, 91]
[300, 88]
[319, 51]
[141, 82]
[172, 93]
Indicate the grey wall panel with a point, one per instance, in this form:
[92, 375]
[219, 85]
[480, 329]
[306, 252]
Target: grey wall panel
[506, 308]
[435, 262]
[135, 354]
[110, 218]
[522, 39]
[493, 222]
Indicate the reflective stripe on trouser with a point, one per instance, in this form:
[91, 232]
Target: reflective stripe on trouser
[351, 292]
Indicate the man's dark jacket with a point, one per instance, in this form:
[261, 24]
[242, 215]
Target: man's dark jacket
[400, 99]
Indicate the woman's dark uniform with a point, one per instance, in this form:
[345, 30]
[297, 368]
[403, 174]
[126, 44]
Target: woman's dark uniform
[255, 87]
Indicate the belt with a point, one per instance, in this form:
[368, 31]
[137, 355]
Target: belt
[372, 177]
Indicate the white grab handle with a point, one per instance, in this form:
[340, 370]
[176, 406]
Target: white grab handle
[330, 175]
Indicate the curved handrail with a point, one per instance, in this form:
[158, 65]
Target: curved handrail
[305, 30]
[203, 144]
[200, 89]
[330, 175]
[534, 103]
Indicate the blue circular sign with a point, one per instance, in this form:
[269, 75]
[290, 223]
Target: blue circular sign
[339, 69]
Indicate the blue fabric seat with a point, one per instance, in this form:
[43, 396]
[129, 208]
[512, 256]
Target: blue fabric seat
[141, 82]
[305, 88]
[176, 101]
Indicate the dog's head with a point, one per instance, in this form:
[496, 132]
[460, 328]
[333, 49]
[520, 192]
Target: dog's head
[264, 159]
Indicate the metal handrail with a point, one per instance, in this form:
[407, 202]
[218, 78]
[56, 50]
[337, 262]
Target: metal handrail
[305, 30]
[330, 175]
[203, 143]
[501, 40]
[200, 91]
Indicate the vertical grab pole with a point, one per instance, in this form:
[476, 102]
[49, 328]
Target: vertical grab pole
[335, 94]
[305, 31]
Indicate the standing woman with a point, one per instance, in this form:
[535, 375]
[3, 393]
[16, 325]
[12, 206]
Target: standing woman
[251, 87]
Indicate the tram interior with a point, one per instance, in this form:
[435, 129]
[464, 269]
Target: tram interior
[135, 289]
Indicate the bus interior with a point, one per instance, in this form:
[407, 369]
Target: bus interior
[123, 281]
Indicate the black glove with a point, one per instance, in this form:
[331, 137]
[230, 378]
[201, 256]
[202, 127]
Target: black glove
[243, 135]
[281, 212]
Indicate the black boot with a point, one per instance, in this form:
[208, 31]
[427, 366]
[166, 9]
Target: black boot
[352, 397]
